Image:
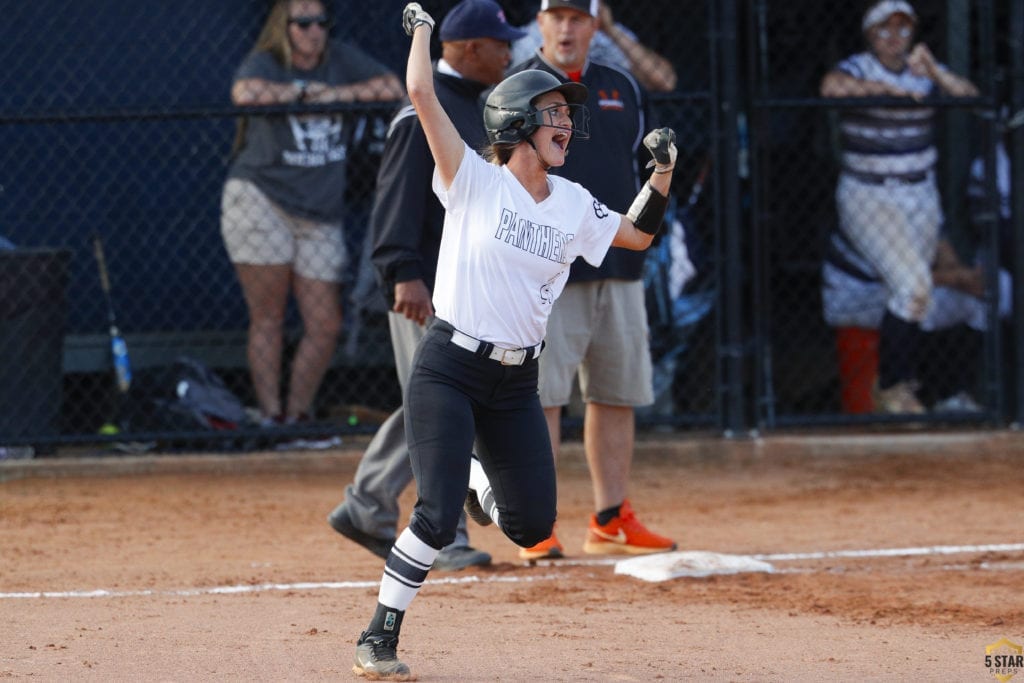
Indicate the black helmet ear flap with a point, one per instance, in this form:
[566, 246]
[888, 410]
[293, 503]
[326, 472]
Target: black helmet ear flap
[514, 126]
[517, 123]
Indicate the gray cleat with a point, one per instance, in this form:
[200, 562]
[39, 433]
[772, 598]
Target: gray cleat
[377, 660]
[452, 558]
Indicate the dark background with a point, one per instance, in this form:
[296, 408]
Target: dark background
[115, 118]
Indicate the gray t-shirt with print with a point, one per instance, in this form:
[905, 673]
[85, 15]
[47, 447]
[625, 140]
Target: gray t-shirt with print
[299, 160]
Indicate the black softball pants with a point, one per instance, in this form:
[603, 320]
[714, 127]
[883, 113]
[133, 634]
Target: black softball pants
[455, 398]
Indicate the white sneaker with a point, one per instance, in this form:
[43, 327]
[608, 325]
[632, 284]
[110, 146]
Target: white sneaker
[897, 399]
[961, 402]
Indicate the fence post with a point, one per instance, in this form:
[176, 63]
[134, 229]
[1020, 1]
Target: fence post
[1015, 36]
[956, 155]
[995, 396]
[731, 337]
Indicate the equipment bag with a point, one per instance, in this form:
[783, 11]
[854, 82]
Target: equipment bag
[186, 395]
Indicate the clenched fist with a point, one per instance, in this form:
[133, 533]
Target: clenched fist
[661, 143]
[413, 15]
[921, 61]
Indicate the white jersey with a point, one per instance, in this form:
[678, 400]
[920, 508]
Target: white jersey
[504, 257]
[882, 141]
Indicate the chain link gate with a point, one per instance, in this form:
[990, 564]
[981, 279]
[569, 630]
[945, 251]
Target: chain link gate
[118, 128]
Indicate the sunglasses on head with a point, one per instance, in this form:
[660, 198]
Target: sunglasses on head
[304, 23]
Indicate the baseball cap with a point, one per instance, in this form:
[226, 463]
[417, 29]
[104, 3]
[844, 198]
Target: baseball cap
[881, 11]
[585, 6]
[477, 19]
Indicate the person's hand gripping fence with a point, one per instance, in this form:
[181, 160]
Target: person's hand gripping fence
[413, 15]
[661, 143]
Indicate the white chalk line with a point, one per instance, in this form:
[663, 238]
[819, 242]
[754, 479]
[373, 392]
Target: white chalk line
[348, 585]
[895, 552]
[264, 587]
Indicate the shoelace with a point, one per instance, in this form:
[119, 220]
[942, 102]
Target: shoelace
[629, 521]
[384, 648]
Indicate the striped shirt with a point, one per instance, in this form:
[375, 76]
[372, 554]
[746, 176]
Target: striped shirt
[881, 142]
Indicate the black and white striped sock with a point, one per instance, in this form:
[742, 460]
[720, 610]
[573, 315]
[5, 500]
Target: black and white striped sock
[405, 570]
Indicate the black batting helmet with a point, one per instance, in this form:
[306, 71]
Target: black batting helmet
[510, 115]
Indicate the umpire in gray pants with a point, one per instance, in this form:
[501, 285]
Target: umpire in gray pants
[405, 226]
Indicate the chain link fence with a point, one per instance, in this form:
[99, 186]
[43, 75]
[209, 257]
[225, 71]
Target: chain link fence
[119, 130]
[862, 210]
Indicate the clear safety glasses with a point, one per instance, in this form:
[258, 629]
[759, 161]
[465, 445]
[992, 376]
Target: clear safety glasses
[570, 117]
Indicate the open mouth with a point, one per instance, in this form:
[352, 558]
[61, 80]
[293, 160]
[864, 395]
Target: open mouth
[561, 139]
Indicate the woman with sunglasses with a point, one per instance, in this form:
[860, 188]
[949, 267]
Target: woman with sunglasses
[888, 203]
[511, 231]
[283, 201]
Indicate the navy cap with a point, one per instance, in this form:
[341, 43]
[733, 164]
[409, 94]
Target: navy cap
[477, 19]
[585, 6]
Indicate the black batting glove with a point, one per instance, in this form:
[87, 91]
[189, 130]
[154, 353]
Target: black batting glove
[661, 143]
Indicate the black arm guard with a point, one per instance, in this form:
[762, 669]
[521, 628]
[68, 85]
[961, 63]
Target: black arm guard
[648, 210]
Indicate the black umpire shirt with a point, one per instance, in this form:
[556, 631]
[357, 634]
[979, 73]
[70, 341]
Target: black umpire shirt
[607, 164]
[407, 218]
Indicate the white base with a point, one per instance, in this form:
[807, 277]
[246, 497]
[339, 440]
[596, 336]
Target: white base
[665, 566]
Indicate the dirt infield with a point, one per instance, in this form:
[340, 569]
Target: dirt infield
[896, 557]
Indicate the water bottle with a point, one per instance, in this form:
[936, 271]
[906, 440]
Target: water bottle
[122, 368]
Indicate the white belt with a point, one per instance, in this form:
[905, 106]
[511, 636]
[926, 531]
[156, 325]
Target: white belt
[503, 356]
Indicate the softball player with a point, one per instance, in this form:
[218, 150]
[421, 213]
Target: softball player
[406, 226]
[887, 199]
[510, 233]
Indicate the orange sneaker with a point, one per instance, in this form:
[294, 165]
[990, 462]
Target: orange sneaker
[624, 535]
[547, 549]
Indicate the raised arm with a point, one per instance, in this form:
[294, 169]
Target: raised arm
[446, 145]
[643, 220]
